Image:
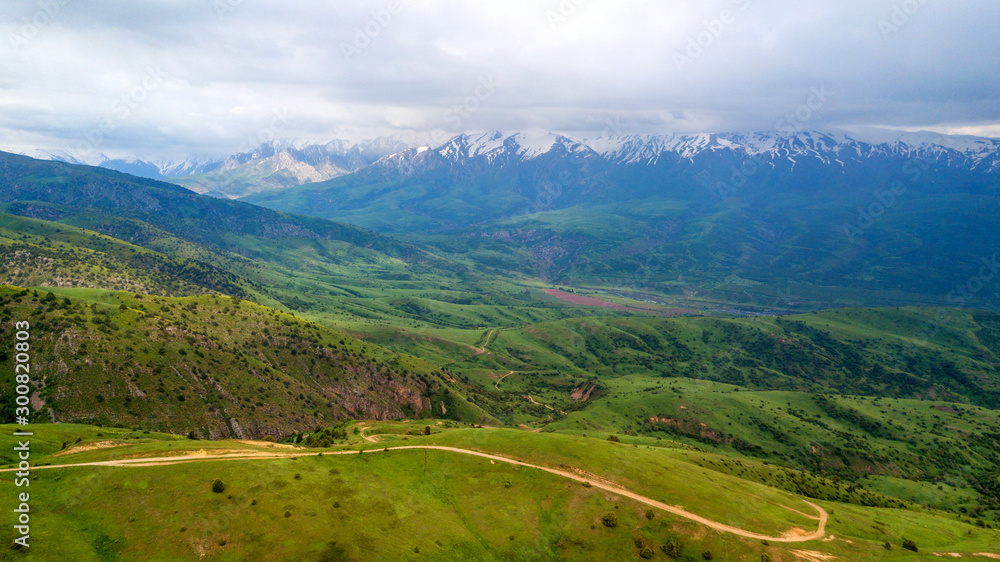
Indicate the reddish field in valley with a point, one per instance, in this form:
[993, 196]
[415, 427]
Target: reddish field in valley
[590, 301]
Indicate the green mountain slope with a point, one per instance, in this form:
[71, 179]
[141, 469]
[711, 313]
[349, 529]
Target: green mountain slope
[214, 365]
[443, 505]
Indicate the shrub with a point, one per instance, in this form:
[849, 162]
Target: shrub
[610, 520]
[638, 542]
[909, 545]
[765, 557]
[707, 555]
[646, 553]
[217, 486]
[671, 548]
[288, 514]
[587, 485]
[614, 439]
[427, 430]
[887, 545]
[650, 514]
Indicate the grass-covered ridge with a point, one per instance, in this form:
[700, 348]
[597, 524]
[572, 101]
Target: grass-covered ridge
[213, 365]
[436, 505]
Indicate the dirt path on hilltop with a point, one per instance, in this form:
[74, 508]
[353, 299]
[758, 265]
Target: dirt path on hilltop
[794, 535]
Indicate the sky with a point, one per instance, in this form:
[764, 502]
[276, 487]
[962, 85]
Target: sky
[175, 78]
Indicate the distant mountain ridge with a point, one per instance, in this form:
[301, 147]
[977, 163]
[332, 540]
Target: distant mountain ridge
[286, 162]
[271, 165]
[966, 152]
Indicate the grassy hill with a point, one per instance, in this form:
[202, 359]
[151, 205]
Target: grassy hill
[213, 365]
[440, 505]
[154, 309]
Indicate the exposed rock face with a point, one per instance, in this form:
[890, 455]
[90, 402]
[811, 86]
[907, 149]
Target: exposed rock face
[582, 394]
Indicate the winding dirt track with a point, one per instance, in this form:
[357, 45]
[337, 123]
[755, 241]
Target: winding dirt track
[161, 461]
[497, 385]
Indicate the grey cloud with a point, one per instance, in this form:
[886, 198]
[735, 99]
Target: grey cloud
[565, 65]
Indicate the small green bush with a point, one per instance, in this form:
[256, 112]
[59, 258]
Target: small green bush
[646, 553]
[650, 514]
[614, 439]
[610, 520]
[217, 486]
[707, 555]
[671, 548]
[909, 545]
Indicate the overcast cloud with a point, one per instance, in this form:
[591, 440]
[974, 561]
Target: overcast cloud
[170, 78]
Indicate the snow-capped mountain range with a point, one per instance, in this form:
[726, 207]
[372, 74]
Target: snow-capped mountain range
[973, 153]
[289, 162]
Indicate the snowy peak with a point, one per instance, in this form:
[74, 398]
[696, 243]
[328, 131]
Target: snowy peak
[288, 162]
[500, 146]
[974, 153]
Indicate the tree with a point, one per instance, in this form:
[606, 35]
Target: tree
[610, 520]
[217, 486]
[427, 430]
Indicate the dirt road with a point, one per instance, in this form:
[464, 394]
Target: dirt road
[790, 536]
[497, 385]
